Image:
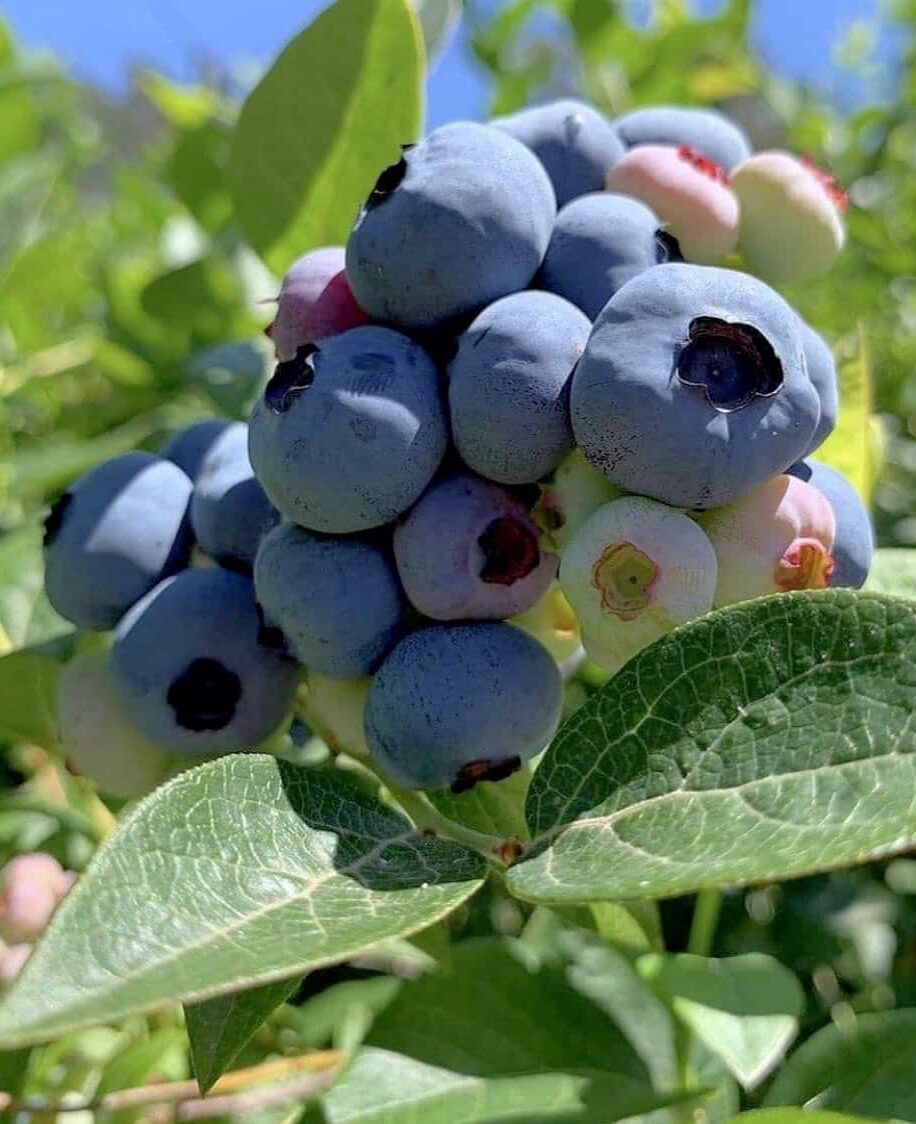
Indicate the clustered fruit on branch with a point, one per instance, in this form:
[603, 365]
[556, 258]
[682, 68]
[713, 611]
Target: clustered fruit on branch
[525, 406]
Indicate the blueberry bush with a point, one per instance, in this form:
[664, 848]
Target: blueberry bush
[457, 626]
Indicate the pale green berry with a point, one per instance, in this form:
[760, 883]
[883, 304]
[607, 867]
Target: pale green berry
[98, 738]
[575, 490]
[553, 622]
[334, 708]
[633, 572]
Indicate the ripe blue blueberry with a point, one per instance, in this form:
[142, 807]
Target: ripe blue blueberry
[195, 668]
[337, 600]
[113, 535]
[463, 218]
[457, 704]
[188, 447]
[693, 387]
[854, 543]
[822, 372]
[711, 134]
[470, 549]
[600, 241]
[347, 435]
[574, 142]
[508, 386]
[230, 512]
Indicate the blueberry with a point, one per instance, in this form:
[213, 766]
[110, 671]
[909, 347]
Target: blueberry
[574, 142]
[822, 372]
[96, 736]
[635, 570]
[337, 600]
[113, 535]
[457, 704]
[32, 885]
[349, 434]
[777, 538]
[791, 217]
[693, 388]
[189, 447]
[469, 549]
[315, 302]
[508, 386]
[854, 544]
[194, 669]
[599, 242]
[463, 218]
[688, 192]
[230, 512]
[710, 133]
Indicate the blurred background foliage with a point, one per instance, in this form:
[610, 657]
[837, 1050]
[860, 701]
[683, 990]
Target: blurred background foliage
[130, 302]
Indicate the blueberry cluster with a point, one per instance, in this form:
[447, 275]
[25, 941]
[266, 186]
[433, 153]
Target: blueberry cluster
[525, 408]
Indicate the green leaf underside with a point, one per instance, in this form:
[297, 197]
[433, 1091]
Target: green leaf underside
[297, 179]
[28, 698]
[489, 1015]
[762, 742]
[243, 871]
[866, 1069]
[743, 1008]
[387, 1088]
[220, 1028]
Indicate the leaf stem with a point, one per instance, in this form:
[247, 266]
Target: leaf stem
[705, 918]
[427, 817]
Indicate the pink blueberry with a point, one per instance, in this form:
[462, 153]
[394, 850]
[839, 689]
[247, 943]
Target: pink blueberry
[777, 538]
[31, 886]
[688, 192]
[315, 302]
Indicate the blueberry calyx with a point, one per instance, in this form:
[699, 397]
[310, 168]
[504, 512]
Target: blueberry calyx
[667, 247]
[388, 180]
[55, 519]
[625, 576]
[290, 379]
[510, 551]
[731, 363]
[205, 695]
[476, 771]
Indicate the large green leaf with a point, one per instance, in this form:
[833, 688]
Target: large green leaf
[220, 1028]
[866, 1068]
[794, 1116]
[489, 1015]
[744, 1008]
[314, 134]
[893, 571]
[764, 741]
[386, 1088]
[243, 871]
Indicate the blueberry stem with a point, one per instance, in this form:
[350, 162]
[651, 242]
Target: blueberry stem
[426, 817]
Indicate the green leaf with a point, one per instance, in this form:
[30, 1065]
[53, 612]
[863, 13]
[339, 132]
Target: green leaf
[608, 978]
[744, 1008]
[634, 925]
[438, 20]
[495, 809]
[765, 741]
[794, 1116]
[26, 616]
[189, 107]
[386, 1088]
[220, 1028]
[243, 871]
[329, 115]
[865, 1068]
[850, 447]
[893, 571]
[490, 1016]
[28, 698]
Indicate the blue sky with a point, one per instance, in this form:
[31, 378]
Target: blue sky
[101, 39]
